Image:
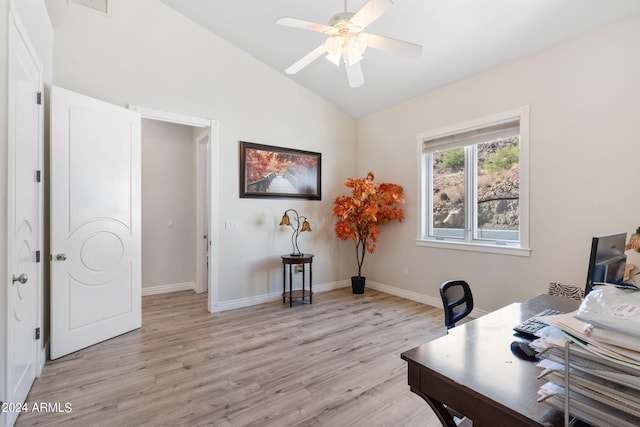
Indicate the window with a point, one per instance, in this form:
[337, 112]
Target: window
[474, 185]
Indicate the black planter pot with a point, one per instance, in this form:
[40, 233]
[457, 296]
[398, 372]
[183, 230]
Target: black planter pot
[357, 284]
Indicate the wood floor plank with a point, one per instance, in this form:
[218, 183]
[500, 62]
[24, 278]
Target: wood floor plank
[333, 363]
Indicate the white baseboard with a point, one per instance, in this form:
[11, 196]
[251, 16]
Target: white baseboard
[10, 418]
[324, 287]
[43, 357]
[163, 289]
[261, 299]
[414, 296]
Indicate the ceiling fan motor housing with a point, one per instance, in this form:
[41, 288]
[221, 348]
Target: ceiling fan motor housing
[340, 20]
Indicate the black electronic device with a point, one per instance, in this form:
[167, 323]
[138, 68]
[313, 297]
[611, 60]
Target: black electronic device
[523, 350]
[531, 326]
[607, 260]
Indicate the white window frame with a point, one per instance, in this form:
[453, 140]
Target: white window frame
[425, 188]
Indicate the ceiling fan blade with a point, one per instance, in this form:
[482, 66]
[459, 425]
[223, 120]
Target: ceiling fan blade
[398, 47]
[305, 25]
[354, 74]
[306, 60]
[371, 11]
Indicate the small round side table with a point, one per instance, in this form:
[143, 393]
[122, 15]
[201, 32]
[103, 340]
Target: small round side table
[291, 260]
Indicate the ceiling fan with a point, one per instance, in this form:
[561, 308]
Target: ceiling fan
[346, 40]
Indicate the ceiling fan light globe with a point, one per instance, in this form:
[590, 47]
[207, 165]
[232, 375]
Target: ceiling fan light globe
[358, 44]
[352, 58]
[334, 59]
[334, 45]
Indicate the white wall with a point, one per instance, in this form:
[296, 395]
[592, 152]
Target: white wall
[168, 195]
[144, 53]
[584, 95]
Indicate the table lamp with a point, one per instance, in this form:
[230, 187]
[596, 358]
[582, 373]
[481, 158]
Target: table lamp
[297, 228]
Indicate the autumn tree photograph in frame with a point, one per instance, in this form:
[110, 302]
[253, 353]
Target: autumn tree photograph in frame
[277, 172]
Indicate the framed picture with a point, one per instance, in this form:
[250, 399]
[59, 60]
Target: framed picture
[276, 172]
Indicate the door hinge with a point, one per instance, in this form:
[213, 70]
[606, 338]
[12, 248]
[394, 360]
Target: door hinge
[37, 333]
[37, 256]
[39, 98]
[38, 176]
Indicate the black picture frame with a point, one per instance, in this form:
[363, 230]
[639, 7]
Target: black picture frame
[267, 171]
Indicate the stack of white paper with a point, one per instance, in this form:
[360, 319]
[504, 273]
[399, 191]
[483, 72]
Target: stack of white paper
[616, 347]
[603, 361]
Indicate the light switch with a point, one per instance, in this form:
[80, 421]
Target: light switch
[231, 225]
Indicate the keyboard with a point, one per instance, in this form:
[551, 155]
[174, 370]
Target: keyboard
[531, 326]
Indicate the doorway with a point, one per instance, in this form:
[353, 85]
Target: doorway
[203, 247]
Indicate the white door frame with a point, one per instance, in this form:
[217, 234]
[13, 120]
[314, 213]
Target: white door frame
[203, 206]
[213, 160]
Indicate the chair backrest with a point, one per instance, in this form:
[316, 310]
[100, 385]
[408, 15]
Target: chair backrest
[457, 300]
[567, 291]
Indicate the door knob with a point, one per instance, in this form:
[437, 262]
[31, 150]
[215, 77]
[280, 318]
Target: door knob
[61, 257]
[21, 278]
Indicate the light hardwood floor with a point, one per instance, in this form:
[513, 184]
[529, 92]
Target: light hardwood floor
[334, 363]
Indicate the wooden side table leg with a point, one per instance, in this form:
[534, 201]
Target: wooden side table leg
[310, 285]
[290, 287]
[284, 282]
[303, 282]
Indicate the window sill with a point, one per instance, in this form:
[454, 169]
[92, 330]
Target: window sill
[476, 247]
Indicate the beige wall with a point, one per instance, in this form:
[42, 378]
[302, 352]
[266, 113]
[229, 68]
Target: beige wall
[168, 204]
[584, 96]
[144, 53]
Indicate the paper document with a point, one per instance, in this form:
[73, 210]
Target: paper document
[582, 334]
[617, 310]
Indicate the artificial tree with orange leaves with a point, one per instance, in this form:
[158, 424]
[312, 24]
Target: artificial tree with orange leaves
[360, 214]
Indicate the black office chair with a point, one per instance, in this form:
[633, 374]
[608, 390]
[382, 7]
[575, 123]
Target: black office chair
[457, 300]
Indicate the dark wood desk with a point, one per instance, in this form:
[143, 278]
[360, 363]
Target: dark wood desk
[473, 370]
[292, 260]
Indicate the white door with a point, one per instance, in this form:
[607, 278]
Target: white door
[95, 221]
[24, 214]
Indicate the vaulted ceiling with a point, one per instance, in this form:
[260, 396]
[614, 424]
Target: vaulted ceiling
[459, 38]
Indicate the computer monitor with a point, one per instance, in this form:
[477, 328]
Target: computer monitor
[607, 260]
